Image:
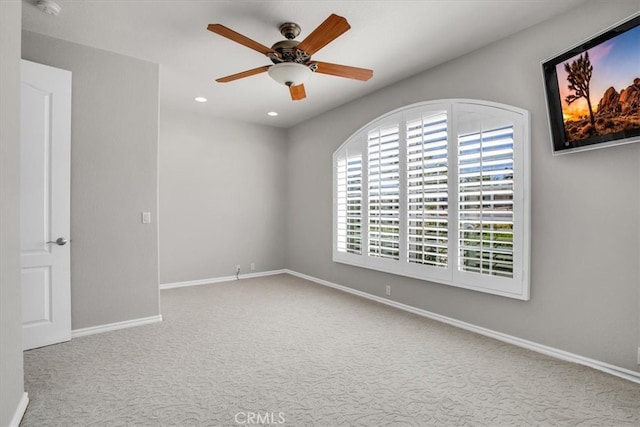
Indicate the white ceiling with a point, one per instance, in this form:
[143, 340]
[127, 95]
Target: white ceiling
[396, 39]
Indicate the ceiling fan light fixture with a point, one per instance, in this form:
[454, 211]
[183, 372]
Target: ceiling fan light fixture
[292, 59]
[289, 73]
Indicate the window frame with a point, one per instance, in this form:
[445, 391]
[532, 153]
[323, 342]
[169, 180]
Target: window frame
[518, 286]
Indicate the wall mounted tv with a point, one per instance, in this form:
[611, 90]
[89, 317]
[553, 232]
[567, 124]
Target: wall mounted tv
[593, 90]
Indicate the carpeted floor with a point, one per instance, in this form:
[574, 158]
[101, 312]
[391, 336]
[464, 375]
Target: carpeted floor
[282, 351]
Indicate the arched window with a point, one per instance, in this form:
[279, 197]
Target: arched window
[438, 191]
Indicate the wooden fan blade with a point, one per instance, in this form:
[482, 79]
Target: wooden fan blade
[329, 30]
[297, 92]
[343, 71]
[239, 38]
[243, 74]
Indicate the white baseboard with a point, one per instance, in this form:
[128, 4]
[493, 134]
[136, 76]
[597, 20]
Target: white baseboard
[20, 410]
[530, 345]
[219, 279]
[115, 326]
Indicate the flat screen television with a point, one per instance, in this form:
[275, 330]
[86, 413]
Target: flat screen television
[593, 90]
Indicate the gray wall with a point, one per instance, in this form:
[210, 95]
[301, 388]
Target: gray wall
[114, 177]
[11, 385]
[585, 206]
[221, 197]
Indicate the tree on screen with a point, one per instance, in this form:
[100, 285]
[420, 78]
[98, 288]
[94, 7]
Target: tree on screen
[579, 77]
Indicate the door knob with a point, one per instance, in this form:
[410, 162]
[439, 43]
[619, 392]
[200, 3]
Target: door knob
[60, 241]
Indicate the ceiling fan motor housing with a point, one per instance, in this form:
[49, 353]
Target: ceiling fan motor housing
[287, 52]
[286, 49]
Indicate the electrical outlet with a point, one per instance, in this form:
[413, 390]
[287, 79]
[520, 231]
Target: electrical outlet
[238, 268]
[253, 266]
[388, 290]
[638, 355]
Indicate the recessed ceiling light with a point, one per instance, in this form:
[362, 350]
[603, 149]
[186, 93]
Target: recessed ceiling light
[201, 99]
[272, 113]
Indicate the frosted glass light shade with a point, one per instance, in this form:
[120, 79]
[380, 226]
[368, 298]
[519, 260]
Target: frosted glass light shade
[289, 73]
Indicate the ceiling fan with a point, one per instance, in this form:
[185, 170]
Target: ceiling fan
[292, 63]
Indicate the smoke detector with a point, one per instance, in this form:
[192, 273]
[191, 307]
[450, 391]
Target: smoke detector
[49, 7]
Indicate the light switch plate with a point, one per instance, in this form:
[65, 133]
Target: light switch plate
[146, 217]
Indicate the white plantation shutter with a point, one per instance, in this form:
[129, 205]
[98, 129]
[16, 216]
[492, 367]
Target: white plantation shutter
[354, 204]
[427, 190]
[438, 191]
[341, 204]
[485, 208]
[349, 188]
[384, 192]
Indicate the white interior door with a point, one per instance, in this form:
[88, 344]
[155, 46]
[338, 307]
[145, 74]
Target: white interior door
[45, 147]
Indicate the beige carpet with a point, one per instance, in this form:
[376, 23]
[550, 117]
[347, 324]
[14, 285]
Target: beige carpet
[282, 351]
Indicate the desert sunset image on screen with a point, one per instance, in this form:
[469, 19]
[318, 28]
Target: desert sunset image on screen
[600, 88]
